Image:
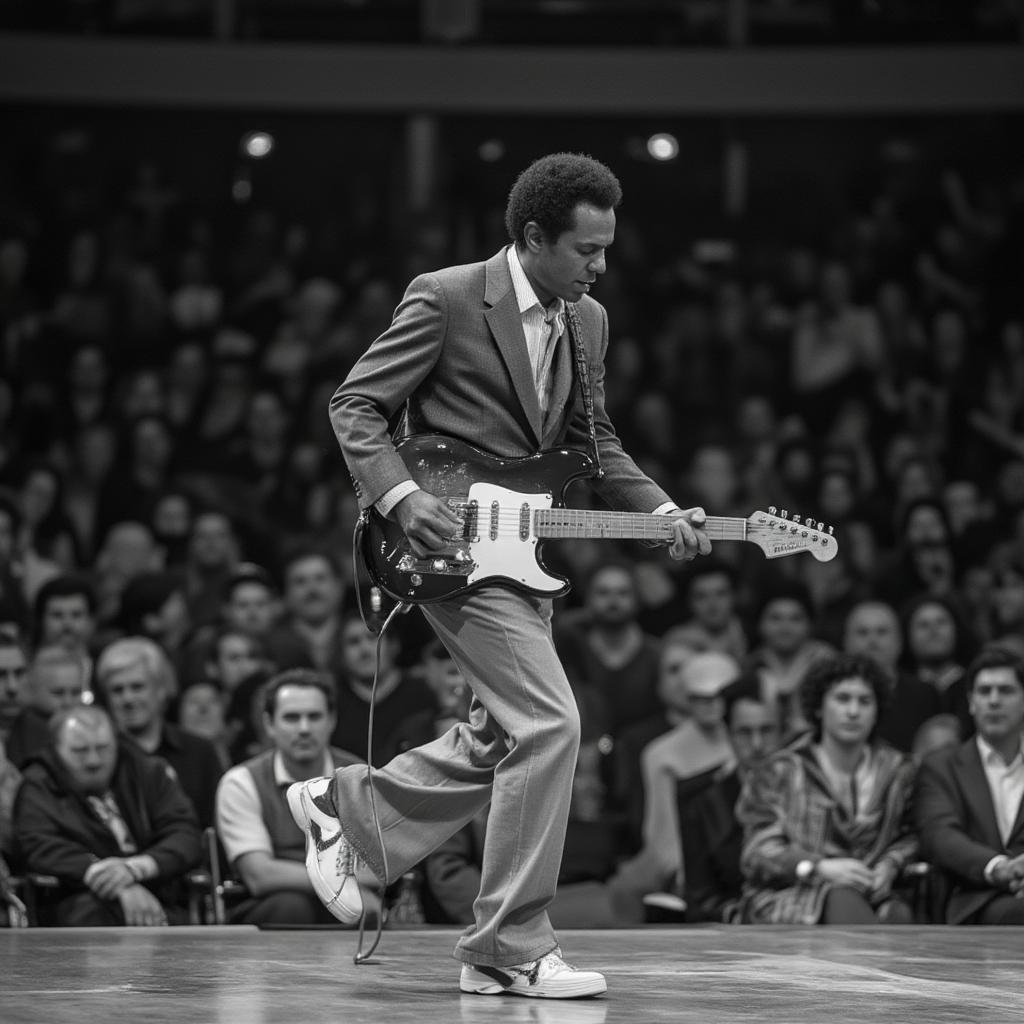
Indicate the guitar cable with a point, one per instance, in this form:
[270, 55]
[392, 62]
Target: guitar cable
[360, 957]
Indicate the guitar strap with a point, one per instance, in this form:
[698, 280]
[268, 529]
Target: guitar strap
[572, 318]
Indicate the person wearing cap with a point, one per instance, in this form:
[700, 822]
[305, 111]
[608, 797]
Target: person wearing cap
[699, 742]
[827, 827]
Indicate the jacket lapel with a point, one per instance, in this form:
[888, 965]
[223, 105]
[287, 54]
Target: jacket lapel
[979, 796]
[506, 325]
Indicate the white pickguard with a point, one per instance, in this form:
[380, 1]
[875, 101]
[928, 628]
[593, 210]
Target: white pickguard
[508, 556]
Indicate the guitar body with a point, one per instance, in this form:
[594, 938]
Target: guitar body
[497, 498]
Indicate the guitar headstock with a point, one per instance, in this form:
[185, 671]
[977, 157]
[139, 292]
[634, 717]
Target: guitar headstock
[777, 534]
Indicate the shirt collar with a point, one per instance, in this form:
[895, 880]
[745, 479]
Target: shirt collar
[526, 297]
[990, 757]
[282, 778]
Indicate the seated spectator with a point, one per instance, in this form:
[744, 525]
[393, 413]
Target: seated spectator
[712, 836]
[261, 841]
[712, 623]
[826, 821]
[607, 651]
[13, 673]
[969, 799]
[56, 682]
[936, 648]
[628, 791]
[12, 910]
[698, 743]
[398, 695]
[201, 712]
[135, 681]
[787, 649]
[109, 821]
[873, 631]
[64, 615]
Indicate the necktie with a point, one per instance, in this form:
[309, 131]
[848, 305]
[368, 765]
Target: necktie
[110, 814]
[556, 325]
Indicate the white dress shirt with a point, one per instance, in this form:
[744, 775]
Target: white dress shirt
[1006, 784]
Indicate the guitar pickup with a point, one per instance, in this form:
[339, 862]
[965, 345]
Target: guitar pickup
[458, 564]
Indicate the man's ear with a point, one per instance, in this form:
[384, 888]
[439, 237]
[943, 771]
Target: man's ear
[534, 236]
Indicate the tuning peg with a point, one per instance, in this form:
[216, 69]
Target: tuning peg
[772, 510]
[821, 526]
[796, 519]
[784, 513]
[830, 531]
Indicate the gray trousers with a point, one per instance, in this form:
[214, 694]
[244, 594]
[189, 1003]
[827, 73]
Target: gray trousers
[517, 752]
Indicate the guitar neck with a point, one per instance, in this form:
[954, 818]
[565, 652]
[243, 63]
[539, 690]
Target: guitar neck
[569, 522]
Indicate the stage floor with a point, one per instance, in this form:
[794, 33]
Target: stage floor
[706, 974]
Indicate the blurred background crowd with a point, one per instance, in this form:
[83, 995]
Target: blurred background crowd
[840, 336]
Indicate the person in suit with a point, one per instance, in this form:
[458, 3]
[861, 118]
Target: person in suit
[508, 355]
[969, 799]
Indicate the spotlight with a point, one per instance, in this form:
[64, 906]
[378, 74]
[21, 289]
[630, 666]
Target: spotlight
[663, 146]
[491, 151]
[257, 144]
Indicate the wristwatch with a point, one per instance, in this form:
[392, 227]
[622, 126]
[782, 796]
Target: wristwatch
[805, 870]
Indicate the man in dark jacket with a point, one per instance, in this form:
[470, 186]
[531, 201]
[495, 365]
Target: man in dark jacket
[109, 821]
[969, 799]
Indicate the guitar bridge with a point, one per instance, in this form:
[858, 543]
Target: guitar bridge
[457, 564]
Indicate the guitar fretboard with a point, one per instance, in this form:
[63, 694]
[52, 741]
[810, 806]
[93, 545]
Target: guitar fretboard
[568, 522]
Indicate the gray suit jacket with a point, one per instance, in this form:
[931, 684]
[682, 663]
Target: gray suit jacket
[454, 361]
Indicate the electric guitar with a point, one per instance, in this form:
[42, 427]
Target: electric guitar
[509, 506]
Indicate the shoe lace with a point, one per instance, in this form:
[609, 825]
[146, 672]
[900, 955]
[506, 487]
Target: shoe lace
[345, 861]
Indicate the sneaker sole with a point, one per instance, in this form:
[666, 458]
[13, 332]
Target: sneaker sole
[297, 798]
[480, 984]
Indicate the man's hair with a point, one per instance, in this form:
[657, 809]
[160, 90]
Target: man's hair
[622, 565]
[829, 672]
[53, 654]
[551, 188]
[302, 550]
[297, 677]
[993, 657]
[69, 585]
[135, 650]
[91, 714]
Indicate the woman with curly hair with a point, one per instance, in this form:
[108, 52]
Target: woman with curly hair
[826, 821]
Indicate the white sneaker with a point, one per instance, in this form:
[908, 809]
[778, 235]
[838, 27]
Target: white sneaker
[331, 862]
[550, 977]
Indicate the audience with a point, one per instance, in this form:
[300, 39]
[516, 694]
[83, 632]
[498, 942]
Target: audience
[165, 464]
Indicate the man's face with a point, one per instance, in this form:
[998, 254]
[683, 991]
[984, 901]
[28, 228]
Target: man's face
[996, 702]
[849, 712]
[57, 687]
[212, 545]
[872, 631]
[170, 623]
[135, 700]
[12, 682]
[785, 625]
[754, 731]
[251, 608]
[89, 753]
[236, 658]
[359, 652]
[312, 590]
[67, 622]
[300, 726]
[567, 266]
[611, 599]
[931, 634]
[711, 600]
